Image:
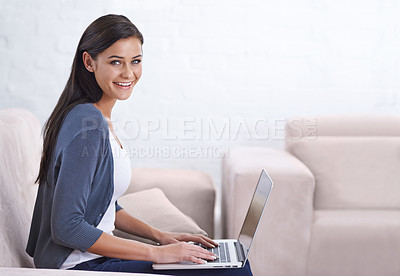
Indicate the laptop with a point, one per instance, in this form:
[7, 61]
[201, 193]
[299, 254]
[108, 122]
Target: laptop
[234, 253]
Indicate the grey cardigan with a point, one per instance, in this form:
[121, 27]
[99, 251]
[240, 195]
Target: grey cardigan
[78, 191]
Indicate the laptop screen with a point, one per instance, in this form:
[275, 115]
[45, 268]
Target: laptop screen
[255, 212]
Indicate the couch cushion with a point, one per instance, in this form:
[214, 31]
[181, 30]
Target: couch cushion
[192, 192]
[355, 159]
[20, 146]
[355, 243]
[154, 208]
[352, 172]
[344, 125]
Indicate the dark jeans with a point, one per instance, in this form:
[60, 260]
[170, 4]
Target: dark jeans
[117, 265]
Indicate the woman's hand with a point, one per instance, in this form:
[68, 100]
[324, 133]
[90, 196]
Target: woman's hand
[181, 251]
[170, 238]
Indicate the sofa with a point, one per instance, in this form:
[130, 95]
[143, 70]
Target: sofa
[171, 200]
[335, 206]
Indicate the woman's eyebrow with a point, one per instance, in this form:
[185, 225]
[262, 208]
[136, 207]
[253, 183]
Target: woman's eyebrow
[123, 58]
[116, 57]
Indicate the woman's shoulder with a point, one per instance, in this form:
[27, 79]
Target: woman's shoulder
[83, 118]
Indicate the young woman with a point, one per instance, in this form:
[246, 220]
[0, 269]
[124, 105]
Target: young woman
[81, 178]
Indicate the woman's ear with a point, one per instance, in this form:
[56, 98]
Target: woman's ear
[88, 61]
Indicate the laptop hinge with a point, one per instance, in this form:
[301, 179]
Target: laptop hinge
[240, 252]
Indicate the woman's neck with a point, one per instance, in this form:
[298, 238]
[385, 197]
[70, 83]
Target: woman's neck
[105, 107]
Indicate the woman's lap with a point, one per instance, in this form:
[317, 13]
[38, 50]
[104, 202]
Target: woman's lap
[117, 265]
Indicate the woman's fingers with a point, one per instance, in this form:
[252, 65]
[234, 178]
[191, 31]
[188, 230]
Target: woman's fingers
[209, 257]
[200, 254]
[182, 251]
[205, 254]
[209, 242]
[206, 241]
[196, 260]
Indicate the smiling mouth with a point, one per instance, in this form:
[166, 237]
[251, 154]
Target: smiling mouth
[123, 84]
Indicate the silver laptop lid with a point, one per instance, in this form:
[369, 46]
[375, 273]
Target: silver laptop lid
[254, 213]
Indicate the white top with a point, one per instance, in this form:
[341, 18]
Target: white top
[122, 178]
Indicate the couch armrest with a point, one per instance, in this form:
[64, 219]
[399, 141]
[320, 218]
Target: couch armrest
[18, 271]
[282, 240]
[192, 192]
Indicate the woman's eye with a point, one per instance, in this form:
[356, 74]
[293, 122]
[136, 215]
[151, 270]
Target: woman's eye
[115, 62]
[136, 61]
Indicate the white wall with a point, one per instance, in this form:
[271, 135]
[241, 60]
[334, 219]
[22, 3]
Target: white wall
[238, 64]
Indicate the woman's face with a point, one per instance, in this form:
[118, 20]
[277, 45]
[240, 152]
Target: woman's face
[118, 68]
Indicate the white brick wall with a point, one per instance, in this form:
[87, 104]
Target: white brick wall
[209, 61]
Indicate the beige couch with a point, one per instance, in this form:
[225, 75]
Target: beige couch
[171, 200]
[335, 207]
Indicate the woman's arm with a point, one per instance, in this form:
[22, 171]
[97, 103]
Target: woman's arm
[114, 247]
[131, 225]
[125, 222]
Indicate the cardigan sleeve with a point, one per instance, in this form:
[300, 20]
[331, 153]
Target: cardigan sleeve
[78, 164]
[117, 207]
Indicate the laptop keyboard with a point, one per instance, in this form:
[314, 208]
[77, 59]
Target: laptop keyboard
[222, 251]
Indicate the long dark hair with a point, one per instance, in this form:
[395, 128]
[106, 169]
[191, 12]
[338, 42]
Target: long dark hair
[82, 86]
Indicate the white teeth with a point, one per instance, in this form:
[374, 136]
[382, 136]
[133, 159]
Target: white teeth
[123, 83]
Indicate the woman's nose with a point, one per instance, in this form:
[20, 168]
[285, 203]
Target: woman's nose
[127, 72]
